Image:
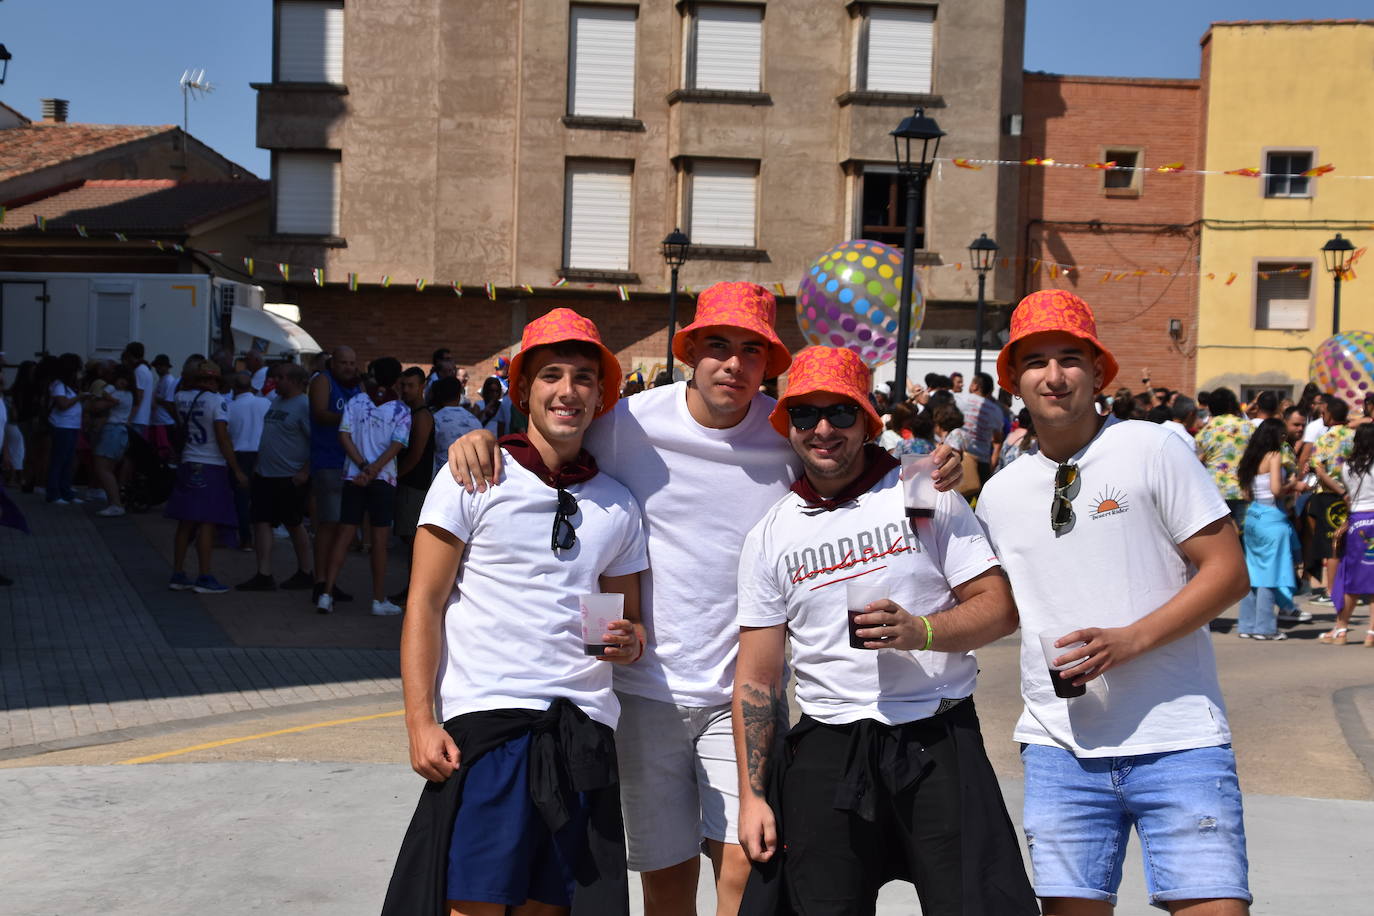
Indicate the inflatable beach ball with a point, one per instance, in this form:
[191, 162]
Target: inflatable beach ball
[1344, 365]
[849, 298]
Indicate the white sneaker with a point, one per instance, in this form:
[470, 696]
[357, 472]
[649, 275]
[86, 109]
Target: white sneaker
[111, 512]
[280, 533]
[76, 501]
[325, 604]
[385, 608]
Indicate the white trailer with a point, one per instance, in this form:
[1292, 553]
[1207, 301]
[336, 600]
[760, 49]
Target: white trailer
[95, 315]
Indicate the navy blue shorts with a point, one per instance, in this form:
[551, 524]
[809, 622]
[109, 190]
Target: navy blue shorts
[502, 851]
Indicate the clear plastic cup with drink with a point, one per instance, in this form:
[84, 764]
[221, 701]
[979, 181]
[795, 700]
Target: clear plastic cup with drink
[599, 611]
[1063, 688]
[859, 596]
[918, 486]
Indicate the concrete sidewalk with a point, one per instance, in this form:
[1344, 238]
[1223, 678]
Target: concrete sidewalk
[305, 839]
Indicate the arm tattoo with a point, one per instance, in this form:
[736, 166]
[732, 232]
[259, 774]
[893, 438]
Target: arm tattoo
[760, 713]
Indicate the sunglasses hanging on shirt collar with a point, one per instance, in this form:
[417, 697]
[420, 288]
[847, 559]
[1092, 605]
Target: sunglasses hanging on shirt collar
[1065, 488]
[807, 416]
[564, 534]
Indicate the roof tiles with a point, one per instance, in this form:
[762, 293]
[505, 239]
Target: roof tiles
[38, 146]
[150, 206]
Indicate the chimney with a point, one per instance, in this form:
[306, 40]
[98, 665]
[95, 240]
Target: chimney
[54, 110]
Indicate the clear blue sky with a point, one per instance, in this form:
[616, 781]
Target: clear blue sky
[118, 61]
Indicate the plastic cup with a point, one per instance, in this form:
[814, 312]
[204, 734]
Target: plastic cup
[599, 611]
[859, 595]
[1062, 688]
[918, 487]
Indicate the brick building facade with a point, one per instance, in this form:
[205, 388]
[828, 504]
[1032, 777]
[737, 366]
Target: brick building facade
[1143, 223]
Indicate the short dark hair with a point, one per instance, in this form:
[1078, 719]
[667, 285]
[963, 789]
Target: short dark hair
[440, 354]
[415, 372]
[1183, 406]
[1267, 401]
[1338, 409]
[134, 349]
[385, 370]
[985, 385]
[1159, 413]
[565, 348]
[445, 390]
[953, 374]
[1223, 401]
[162, 359]
[949, 418]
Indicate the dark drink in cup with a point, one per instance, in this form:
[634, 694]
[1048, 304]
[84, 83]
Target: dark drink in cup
[599, 611]
[860, 595]
[915, 512]
[1063, 688]
[594, 649]
[855, 640]
[918, 488]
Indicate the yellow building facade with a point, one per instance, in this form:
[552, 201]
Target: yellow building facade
[1282, 98]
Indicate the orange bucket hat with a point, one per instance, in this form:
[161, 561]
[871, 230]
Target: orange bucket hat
[562, 325]
[747, 306]
[1053, 310]
[833, 370]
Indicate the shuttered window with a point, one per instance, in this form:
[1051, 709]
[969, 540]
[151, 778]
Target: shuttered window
[899, 50]
[1283, 296]
[113, 314]
[601, 53]
[726, 48]
[724, 203]
[310, 38]
[597, 208]
[307, 193]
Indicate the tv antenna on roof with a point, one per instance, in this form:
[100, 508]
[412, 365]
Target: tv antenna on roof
[192, 82]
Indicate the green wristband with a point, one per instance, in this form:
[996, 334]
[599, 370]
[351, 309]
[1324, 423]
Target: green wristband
[930, 633]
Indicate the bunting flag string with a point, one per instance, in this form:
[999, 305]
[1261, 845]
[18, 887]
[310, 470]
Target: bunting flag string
[318, 273]
[1175, 168]
[457, 289]
[420, 285]
[352, 283]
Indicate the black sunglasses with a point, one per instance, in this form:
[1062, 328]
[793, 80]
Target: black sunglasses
[1061, 509]
[564, 534]
[841, 416]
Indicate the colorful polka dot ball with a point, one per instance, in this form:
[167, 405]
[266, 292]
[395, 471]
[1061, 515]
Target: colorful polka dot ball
[849, 298]
[1344, 365]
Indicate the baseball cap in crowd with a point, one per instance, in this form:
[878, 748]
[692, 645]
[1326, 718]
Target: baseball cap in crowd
[1053, 310]
[562, 325]
[635, 377]
[746, 306]
[501, 364]
[832, 370]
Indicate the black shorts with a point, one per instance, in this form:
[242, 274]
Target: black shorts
[277, 501]
[377, 501]
[1327, 511]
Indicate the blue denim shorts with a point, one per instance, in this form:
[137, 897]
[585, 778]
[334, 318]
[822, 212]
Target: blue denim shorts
[1185, 806]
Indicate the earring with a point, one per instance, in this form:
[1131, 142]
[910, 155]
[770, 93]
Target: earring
[525, 406]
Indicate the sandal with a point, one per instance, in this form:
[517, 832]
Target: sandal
[1369, 639]
[1336, 637]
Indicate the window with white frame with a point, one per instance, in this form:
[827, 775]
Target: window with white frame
[113, 317]
[896, 49]
[1284, 176]
[1283, 295]
[310, 41]
[723, 203]
[601, 62]
[596, 233]
[880, 207]
[306, 188]
[724, 48]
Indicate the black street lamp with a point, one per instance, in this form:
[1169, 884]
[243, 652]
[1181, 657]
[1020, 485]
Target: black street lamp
[1336, 253]
[675, 249]
[920, 128]
[982, 251]
[5, 58]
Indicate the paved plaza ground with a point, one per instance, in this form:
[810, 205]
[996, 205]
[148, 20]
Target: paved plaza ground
[173, 753]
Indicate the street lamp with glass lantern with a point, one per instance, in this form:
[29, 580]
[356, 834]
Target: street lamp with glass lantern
[1336, 255]
[982, 251]
[5, 58]
[916, 173]
[675, 249]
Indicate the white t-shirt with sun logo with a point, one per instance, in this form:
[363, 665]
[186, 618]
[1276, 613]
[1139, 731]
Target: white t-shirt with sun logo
[1140, 493]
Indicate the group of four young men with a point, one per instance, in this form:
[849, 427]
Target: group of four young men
[731, 526]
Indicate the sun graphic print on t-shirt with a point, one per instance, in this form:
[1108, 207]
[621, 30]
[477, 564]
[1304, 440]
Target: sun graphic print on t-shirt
[1109, 501]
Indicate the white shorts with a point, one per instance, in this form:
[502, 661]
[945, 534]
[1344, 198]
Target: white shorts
[678, 781]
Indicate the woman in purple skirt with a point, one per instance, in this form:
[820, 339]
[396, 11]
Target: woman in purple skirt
[202, 497]
[1355, 574]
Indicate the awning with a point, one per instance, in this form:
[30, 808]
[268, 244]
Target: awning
[271, 334]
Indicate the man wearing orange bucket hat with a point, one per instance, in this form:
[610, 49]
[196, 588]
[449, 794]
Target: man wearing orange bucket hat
[885, 776]
[1120, 551]
[705, 465]
[494, 641]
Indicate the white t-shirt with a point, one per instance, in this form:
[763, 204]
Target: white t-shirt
[1140, 493]
[1313, 430]
[450, 425]
[165, 390]
[499, 424]
[200, 411]
[64, 418]
[246, 411]
[258, 380]
[145, 381]
[794, 569]
[982, 421]
[1178, 429]
[123, 405]
[513, 628]
[373, 429]
[1360, 490]
[701, 490]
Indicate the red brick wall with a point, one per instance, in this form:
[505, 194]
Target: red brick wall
[411, 326]
[1067, 218]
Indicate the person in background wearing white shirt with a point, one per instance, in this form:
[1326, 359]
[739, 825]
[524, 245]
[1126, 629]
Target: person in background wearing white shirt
[246, 410]
[452, 420]
[256, 365]
[1314, 429]
[164, 405]
[374, 430]
[64, 425]
[113, 439]
[494, 410]
[144, 384]
[850, 800]
[1147, 744]
[982, 423]
[1182, 419]
[704, 465]
[1354, 577]
[202, 498]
